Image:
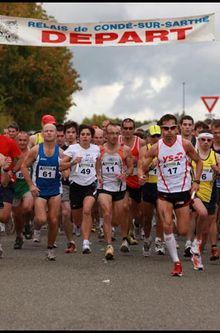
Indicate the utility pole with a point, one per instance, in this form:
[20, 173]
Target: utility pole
[183, 96]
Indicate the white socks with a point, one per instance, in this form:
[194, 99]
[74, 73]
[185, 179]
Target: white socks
[101, 221]
[171, 246]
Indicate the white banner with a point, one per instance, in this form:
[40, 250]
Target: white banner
[27, 31]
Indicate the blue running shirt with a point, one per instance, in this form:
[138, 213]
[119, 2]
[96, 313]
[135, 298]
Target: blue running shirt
[46, 174]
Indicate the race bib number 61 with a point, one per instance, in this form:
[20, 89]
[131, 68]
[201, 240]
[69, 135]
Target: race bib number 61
[47, 172]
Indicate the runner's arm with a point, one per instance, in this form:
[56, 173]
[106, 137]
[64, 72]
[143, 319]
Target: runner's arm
[129, 161]
[31, 157]
[192, 153]
[66, 171]
[145, 161]
[216, 167]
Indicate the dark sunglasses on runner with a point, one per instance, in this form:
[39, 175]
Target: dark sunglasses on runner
[166, 128]
[155, 136]
[205, 139]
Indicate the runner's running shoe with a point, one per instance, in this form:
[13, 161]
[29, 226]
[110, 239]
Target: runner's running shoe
[132, 240]
[36, 238]
[86, 248]
[125, 246]
[27, 231]
[136, 230]
[78, 231]
[2, 227]
[71, 248]
[18, 243]
[146, 248]
[51, 255]
[109, 253]
[197, 262]
[177, 270]
[187, 251]
[93, 229]
[142, 233]
[214, 253]
[159, 246]
[113, 234]
[101, 233]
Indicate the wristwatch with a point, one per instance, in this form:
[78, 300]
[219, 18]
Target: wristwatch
[196, 181]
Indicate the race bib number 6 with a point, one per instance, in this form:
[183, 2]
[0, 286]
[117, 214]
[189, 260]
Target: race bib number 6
[207, 175]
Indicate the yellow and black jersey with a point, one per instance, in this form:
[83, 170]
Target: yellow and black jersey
[207, 179]
[153, 172]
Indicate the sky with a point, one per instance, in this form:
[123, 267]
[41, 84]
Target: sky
[142, 82]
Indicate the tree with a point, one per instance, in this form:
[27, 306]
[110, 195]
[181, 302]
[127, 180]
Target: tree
[98, 119]
[95, 120]
[35, 80]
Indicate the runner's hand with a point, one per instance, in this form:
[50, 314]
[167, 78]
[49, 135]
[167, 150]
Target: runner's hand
[142, 179]
[34, 190]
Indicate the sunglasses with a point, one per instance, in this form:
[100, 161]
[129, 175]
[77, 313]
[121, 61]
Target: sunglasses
[128, 128]
[155, 136]
[85, 134]
[113, 133]
[166, 128]
[205, 140]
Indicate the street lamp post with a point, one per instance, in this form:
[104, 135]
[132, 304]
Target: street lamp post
[183, 96]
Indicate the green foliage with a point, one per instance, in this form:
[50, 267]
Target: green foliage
[95, 120]
[5, 120]
[35, 80]
[98, 119]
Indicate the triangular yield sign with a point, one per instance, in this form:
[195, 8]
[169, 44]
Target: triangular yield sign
[214, 98]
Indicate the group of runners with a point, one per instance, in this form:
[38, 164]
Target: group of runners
[84, 176]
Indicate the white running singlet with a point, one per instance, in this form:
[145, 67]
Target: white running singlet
[112, 164]
[174, 167]
[83, 173]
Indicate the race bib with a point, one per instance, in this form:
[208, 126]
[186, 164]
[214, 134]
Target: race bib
[207, 175]
[171, 169]
[153, 172]
[85, 168]
[47, 172]
[111, 169]
[19, 175]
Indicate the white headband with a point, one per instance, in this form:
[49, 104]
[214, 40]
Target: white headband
[205, 135]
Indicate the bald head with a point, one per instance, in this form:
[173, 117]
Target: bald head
[49, 133]
[50, 126]
[98, 138]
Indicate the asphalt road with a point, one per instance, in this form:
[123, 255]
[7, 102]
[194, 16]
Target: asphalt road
[85, 292]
